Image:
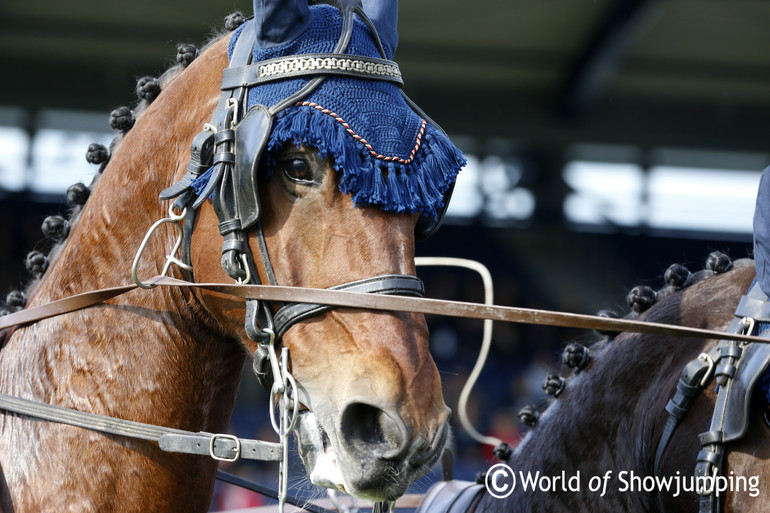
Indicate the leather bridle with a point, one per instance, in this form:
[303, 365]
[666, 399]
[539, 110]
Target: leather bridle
[735, 368]
[230, 148]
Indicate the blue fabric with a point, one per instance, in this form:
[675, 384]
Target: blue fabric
[373, 110]
[763, 385]
[761, 259]
[384, 16]
[762, 232]
[280, 21]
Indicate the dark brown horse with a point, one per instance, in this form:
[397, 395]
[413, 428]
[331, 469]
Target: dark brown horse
[608, 421]
[173, 357]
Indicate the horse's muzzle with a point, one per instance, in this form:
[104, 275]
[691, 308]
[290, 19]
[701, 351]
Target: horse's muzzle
[371, 453]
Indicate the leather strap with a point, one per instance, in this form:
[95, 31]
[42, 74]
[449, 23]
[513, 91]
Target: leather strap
[295, 66]
[378, 302]
[169, 439]
[451, 497]
[754, 305]
[289, 315]
[690, 384]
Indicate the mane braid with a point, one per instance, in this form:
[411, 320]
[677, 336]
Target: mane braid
[543, 448]
[677, 278]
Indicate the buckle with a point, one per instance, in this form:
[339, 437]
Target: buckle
[234, 439]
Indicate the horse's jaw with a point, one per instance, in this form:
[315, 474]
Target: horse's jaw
[367, 477]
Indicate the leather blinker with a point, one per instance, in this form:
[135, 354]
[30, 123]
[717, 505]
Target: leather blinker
[251, 136]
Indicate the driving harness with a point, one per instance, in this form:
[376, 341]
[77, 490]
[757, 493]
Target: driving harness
[736, 367]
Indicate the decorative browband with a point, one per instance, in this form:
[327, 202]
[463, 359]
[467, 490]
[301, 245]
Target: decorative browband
[294, 66]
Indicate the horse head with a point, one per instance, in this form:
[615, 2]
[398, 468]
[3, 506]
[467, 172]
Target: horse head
[372, 416]
[325, 207]
[329, 202]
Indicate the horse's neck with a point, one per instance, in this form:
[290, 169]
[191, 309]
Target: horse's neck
[149, 356]
[609, 418]
[106, 235]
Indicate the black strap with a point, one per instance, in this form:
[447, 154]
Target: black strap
[687, 389]
[394, 284]
[451, 497]
[754, 305]
[711, 457]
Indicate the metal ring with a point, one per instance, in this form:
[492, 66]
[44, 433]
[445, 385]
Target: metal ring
[170, 258]
[295, 409]
[176, 217]
[233, 103]
[271, 410]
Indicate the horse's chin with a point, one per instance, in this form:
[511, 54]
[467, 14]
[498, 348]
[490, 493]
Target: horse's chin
[318, 454]
[373, 479]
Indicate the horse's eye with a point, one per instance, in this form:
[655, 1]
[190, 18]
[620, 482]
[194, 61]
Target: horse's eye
[298, 171]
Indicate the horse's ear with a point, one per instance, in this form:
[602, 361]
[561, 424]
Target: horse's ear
[251, 136]
[277, 22]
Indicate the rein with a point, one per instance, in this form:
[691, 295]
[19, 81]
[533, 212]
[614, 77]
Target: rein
[376, 301]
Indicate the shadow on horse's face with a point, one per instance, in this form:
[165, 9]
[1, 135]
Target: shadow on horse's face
[373, 418]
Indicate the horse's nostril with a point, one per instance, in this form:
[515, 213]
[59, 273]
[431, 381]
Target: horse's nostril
[370, 430]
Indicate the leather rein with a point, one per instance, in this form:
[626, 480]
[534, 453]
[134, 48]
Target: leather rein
[376, 300]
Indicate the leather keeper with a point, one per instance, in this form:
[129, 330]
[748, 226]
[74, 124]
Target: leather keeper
[224, 157]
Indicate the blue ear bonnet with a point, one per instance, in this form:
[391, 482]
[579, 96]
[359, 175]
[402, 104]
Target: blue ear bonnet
[389, 157]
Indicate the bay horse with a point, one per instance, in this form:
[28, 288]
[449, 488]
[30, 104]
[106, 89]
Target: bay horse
[608, 421]
[174, 357]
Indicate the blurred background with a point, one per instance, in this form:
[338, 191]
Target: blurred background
[606, 140]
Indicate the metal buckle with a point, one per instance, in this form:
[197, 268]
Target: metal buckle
[235, 439]
[747, 325]
[246, 268]
[704, 491]
[232, 103]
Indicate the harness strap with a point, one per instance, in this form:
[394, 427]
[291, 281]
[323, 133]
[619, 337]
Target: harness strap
[451, 497]
[694, 378]
[291, 314]
[755, 308]
[711, 457]
[303, 65]
[218, 446]
[724, 360]
[342, 298]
